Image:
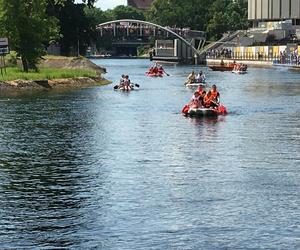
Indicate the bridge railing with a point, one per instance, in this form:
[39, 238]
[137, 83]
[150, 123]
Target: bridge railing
[129, 24]
[249, 56]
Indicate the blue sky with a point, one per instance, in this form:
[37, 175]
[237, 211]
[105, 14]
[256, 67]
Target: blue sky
[108, 4]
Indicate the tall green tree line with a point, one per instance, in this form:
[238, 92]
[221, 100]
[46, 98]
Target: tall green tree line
[213, 16]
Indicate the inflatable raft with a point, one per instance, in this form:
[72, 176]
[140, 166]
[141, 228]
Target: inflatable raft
[159, 74]
[195, 84]
[204, 112]
[132, 87]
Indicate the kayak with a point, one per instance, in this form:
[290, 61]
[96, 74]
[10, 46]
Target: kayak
[158, 74]
[204, 112]
[132, 87]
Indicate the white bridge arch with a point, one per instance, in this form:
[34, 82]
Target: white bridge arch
[132, 21]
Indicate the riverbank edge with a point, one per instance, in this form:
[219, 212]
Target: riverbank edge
[60, 62]
[77, 82]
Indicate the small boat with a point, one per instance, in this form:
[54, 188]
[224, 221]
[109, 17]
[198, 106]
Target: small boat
[195, 84]
[158, 74]
[204, 112]
[132, 87]
[228, 67]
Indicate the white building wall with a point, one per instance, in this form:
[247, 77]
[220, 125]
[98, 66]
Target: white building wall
[265, 9]
[285, 9]
[295, 9]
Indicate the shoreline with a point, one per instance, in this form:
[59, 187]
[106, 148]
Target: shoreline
[54, 79]
[77, 82]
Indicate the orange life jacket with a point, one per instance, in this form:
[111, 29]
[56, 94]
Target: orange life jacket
[214, 95]
[201, 92]
[207, 101]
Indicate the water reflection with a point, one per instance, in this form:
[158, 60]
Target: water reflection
[97, 168]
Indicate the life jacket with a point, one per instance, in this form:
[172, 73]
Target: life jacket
[201, 92]
[214, 95]
[207, 101]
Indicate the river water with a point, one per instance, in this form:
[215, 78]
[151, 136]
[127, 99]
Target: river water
[100, 169]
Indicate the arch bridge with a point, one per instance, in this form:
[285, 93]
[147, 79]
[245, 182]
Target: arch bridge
[128, 34]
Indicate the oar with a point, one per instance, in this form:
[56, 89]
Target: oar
[134, 84]
[166, 73]
[218, 104]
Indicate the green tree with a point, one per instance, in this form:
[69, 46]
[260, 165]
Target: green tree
[226, 15]
[213, 16]
[77, 23]
[28, 28]
[188, 13]
[125, 12]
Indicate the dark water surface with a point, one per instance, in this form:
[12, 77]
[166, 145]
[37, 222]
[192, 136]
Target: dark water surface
[98, 169]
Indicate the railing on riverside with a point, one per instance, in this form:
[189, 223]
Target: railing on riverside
[248, 56]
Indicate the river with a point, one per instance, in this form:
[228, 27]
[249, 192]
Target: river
[101, 169]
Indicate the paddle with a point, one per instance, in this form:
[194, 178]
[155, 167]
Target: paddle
[116, 87]
[166, 72]
[217, 104]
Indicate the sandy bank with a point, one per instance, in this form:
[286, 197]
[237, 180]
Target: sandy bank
[62, 62]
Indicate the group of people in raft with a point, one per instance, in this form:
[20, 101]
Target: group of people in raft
[125, 83]
[240, 67]
[156, 69]
[195, 78]
[203, 99]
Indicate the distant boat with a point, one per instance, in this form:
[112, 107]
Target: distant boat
[222, 67]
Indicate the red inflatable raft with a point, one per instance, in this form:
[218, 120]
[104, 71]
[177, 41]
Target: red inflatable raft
[204, 112]
[158, 74]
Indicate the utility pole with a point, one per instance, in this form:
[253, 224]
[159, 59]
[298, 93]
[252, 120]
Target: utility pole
[78, 43]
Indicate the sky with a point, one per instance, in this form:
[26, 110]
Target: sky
[108, 4]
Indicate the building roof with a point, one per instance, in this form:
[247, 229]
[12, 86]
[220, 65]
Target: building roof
[140, 4]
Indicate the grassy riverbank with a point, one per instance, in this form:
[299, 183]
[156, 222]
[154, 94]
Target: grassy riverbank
[54, 72]
[14, 73]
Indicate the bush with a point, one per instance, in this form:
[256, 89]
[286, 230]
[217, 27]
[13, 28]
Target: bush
[11, 59]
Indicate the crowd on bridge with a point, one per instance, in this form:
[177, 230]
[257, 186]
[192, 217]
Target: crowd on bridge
[218, 53]
[145, 28]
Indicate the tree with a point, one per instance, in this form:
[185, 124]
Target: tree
[212, 16]
[125, 12]
[77, 25]
[28, 28]
[188, 13]
[227, 15]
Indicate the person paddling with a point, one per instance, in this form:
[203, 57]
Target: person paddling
[127, 83]
[212, 98]
[202, 94]
[162, 70]
[191, 78]
[195, 101]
